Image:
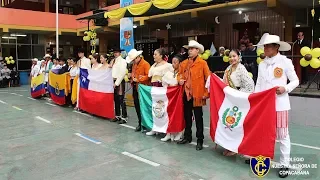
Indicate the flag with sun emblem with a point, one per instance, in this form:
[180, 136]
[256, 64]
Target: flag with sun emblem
[162, 108]
[37, 86]
[241, 122]
[59, 87]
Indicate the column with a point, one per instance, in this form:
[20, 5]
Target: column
[46, 5]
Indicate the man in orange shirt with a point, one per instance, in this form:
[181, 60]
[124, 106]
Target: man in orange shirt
[193, 75]
[139, 75]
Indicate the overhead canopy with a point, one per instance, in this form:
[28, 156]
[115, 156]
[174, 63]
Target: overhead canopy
[155, 7]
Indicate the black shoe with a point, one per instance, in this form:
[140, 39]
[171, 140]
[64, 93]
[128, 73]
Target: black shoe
[123, 121]
[283, 172]
[115, 119]
[138, 128]
[184, 141]
[199, 146]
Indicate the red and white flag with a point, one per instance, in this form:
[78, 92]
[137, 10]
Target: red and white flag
[242, 122]
[96, 92]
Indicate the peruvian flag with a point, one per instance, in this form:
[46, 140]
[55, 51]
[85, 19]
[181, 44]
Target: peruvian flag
[96, 92]
[162, 108]
[242, 122]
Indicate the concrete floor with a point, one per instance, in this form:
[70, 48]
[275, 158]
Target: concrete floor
[42, 141]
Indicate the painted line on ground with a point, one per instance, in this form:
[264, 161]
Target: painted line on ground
[31, 98]
[88, 138]
[21, 90]
[43, 119]
[141, 159]
[128, 126]
[51, 104]
[17, 108]
[305, 146]
[3, 102]
[88, 115]
[16, 94]
[194, 143]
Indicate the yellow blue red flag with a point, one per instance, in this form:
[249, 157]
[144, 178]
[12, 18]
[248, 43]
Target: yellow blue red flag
[59, 87]
[37, 86]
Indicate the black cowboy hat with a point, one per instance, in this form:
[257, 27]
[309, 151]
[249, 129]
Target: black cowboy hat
[117, 49]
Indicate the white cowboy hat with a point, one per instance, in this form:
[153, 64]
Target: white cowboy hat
[47, 56]
[34, 59]
[195, 44]
[270, 39]
[132, 54]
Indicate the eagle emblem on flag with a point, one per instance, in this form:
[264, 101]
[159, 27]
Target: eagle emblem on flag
[57, 91]
[159, 109]
[231, 117]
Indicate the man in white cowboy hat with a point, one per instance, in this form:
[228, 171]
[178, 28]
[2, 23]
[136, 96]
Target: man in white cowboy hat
[275, 71]
[139, 75]
[119, 70]
[48, 67]
[193, 74]
[34, 63]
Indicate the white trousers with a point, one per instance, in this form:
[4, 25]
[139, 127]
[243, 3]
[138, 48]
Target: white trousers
[285, 148]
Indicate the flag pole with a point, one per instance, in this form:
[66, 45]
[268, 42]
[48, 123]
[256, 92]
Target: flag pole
[57, 28]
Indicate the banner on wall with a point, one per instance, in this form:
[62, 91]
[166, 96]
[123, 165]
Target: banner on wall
[126, 29]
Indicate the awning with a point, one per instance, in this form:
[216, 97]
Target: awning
[155, 7]
[97, 14]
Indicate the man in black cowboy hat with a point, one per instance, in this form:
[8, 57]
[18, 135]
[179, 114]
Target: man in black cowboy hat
[119, 70]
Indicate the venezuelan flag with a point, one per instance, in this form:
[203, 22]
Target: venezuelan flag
[59, 87]
[37, 86]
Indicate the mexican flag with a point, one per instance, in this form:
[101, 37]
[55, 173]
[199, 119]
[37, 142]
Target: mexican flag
[242, 122]
[162, 108]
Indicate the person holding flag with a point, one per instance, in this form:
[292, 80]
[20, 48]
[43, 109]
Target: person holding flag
[275, 71]
[193, 75]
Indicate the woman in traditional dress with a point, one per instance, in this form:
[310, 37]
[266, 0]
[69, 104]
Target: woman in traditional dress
[237, 77]
[104, 61]
[157, 71]
[95, 61]
[170, 79]
[74, 72]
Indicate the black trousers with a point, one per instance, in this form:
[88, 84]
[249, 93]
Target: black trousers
[198, 113]
[304, 75]
[136, 102]
[119, 92]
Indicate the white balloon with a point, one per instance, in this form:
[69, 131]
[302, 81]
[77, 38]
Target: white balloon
[216, 19]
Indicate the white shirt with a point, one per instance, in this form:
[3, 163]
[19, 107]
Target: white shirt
[158, 71]
[269, 78]
[56, 66]
[74, 71]
[240, 78]
[84, 63]
[169, 79]
[119, 70]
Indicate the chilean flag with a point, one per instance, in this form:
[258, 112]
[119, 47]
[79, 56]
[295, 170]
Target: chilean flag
[96, 92]
[242, 122]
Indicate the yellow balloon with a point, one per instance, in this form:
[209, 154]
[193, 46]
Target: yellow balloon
[225, 58]
[200, 56]
[259, 60]
[304, 63]
[8, 62]
[305, 50]
[126, 79]
[10, 57]
[89, 33]
[260, 51]
[12, 61]
[315, 52]
[315, 63]
[205, 56]
[6, 58]
[208, 52]
[250, 74]
[84, 38]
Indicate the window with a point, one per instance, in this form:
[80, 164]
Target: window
[24, 40]
[24, 52]
[38, 51]
[35, 39]
[24, 64]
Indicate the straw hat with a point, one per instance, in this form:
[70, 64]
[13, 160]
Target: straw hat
[35, 59]
[273, 39]
[47, 56]
[195, 44]
[133, 53]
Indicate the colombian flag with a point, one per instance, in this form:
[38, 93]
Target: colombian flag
[59, 87]
[37, 86]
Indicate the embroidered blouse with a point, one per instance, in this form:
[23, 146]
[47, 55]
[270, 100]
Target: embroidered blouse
[156, 71]
[240, 79]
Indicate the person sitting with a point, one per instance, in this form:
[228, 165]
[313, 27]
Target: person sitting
[14, 77]
[5, 73]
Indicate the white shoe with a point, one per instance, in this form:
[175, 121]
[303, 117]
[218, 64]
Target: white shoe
[166, 138]
[178, 136]
[150, 133]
